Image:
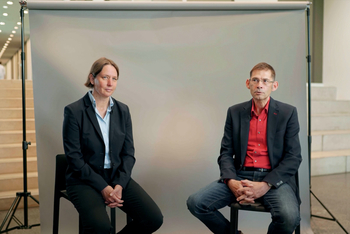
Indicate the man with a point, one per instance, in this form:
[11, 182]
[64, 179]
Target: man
[259, 157]
[2, 71]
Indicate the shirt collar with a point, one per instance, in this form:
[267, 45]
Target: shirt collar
[93, 101]
[266, 108]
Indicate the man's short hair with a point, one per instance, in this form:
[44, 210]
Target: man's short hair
[264, 66]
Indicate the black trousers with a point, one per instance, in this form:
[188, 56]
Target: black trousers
[145, 214]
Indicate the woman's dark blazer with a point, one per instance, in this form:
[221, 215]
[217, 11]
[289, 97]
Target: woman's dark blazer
[84, 146]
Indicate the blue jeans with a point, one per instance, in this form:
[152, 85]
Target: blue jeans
[282, 204]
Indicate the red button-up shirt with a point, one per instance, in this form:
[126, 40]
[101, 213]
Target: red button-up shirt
[257, 154]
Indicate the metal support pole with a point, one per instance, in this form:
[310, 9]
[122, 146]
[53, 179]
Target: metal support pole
[25, 194]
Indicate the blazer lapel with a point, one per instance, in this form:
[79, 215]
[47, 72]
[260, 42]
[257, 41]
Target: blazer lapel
[92, 115]
[114, 123]
[245, 116]
[272, 122]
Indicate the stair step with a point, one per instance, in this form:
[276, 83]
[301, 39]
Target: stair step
[7, 198]
[322, 122]
[330, 107]
[321, 92]
[14, 181]
[15, 93]
[16, 124]
[8, 137]
[16, 151]
[330, 162]
[11, 138]
[16, 113]
[8, 84]
[16, 103]
[15, 165]
[330, 140]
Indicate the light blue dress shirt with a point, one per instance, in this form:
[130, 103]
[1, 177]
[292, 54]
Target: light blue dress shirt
[104, 126]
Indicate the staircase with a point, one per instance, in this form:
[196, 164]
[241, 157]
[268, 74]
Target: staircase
[11, 138]
[330, 130]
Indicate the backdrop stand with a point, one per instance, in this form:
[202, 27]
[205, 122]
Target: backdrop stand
[309, 128]
[25, 194]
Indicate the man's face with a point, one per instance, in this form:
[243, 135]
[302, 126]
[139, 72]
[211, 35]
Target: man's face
[261, 84]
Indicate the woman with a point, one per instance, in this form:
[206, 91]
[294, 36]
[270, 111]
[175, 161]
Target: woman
[98, 143]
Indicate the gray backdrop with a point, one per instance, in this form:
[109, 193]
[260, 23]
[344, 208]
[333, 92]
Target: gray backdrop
[179, 72]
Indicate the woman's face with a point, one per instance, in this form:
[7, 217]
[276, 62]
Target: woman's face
[105, 82]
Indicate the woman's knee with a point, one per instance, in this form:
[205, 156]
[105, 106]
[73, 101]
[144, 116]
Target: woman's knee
[156, 222]
[99, 226]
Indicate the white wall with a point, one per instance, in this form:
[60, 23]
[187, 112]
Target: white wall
[336, 48]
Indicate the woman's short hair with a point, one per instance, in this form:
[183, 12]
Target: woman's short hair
[97, 67]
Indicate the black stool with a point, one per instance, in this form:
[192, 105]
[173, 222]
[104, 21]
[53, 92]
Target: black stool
[60, 192]
[258, 207]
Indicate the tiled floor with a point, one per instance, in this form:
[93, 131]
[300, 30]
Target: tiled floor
[332, 190]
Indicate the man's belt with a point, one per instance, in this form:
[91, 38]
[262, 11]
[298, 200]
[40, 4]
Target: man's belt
[255, 169]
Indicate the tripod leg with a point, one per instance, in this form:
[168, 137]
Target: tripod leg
[333, 217]
[34, 199]
[38, 224]
[12, 210]
[14, 217]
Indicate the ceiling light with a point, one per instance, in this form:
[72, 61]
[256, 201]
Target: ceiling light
[2, 23]
[9, 38]
[7, 41]
[9, 2]
[13, 31]
[15, 27]
[18, 23]
[11, 35]
[25, 11]
[6, 44]
[0, 31]
[5, 7]
[5, 14]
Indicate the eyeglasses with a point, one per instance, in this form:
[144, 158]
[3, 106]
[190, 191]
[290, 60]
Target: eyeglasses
[264, 81]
